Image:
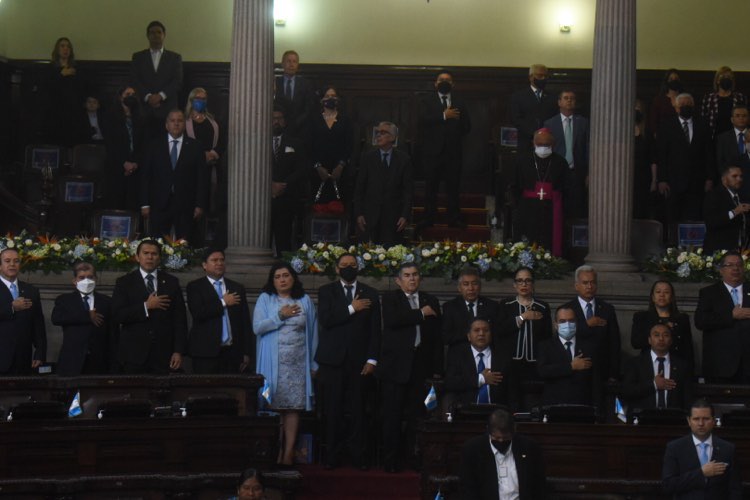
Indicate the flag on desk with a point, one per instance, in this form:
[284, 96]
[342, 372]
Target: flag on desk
[619, 411]
[75, 406]
[265, 391]
[439, 495]
[430, 402]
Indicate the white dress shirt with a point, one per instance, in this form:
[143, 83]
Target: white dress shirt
[156, 286]
[690, 126]
[487, 362]
[507, 475]
[667, 371]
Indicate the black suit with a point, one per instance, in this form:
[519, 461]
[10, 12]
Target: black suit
[383, 194]
[638, 383]
[174, 194]
[562, 384]
[528, 113]
[461, 378]
[20, 330]
[204, 339]
[722, 233]
[456, 319]
[345, 343]
[402, 368]
[726, 343]
[682, 335]
[575, 195]
[86, 348]
[167, 79]
[606, 339]
[297, 111]
[522, 342]
[123, 192]
[479, 470]
[289, 166]
[146, 343]
[728, 153]
[682, 476]
[442, 150]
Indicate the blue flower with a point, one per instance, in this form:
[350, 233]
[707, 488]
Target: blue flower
[483, 265]
[297, 265]
[409, 257]
[311, 255]
[79, 251]
[175, 262]
[525, 258]
[684, 270]
[360, 263]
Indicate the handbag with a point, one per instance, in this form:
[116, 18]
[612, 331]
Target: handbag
[333, 207]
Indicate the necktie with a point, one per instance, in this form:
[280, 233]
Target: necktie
[225, 338]
[483, 397]
[686, 130]
[569, 348]
[385, 160]
[569, 140]
[661, 396]
[14, 291]
[589, 311]
[735, 297]
[129, 126]
[445, 101]
[173, 154]
[276, 144]
[538, 95]
[703, 455]
[150, 283]
[288, 89]
[741, 143]
[414, 305]
[86, 302]
[471, 309]
[349, 296]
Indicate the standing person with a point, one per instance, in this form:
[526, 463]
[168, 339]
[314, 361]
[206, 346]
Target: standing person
[723, 313]
[531, 106]
[701, 465]
[295, 93]
[220, 339]
[502, 464]
[88, 326]
[156, 74]
[460, 311]
[286, 327]
[65, 94]
[662, 106]
[348, 351]
[731, 147]
[148, 305]
[726, 214]
[443, 122]
[411, 351]
[644, 178]
[717, 106]
[21, 320]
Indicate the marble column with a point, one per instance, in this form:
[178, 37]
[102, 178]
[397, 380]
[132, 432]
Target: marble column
[612, 137]
[249, 147]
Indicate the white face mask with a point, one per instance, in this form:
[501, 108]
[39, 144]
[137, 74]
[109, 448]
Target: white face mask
[86, 286]
[543, 151]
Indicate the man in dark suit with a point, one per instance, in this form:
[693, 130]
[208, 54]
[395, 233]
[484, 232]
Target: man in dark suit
[723, 313]
[685, 164]
[156, 74]
[502, 464]
[460, 311]
[657, 379]
[88, 326]
[725, 216]
[731, 148]
[571, 132]
[382, 200]
[597, 323]
[295, 93]
[21, 319]
[149, 307]
[174, 181]
[477, 372]
[443, 123]
[701, 466]
[220, 339]
[288, 174]
[531, 106]
[567, 364]
[411, 351]
[348, 351]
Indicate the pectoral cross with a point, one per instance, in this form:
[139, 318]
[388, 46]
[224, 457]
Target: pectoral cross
[541, 194]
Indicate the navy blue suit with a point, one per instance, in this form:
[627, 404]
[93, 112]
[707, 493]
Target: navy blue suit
[575, 194]
[20, 330]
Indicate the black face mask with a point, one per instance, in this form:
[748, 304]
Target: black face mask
[444, 87]
[277, 129]
[501, 446]
[348, 274]
[725, 84]
[540, 84]
[638, 116]
[686, 112]
[131, 102]
[674, 85]
[330, 103]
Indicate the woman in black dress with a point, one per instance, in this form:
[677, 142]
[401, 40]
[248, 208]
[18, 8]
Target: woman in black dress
[64, 95]
[644, 178]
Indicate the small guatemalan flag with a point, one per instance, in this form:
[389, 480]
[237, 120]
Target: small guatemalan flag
[430, 402]
[75, 406]
[265, 391]
[619, 411]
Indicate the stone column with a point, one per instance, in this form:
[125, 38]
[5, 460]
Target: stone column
[249, 147]
[612, 136]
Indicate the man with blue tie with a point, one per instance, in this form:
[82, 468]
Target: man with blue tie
[295, 93]
[701, 466]
[220, 339]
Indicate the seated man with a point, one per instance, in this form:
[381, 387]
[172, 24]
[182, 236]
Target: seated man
[476, 372]
[657, 379]
[567, 365]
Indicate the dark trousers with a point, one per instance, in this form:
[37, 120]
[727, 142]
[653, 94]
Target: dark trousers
[152, 365]
[161, 221]
[283, 211]
[228, 361]
[446, 167]
[575, 195]
[383, 232]
[680, 207]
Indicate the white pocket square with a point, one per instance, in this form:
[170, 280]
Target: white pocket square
[289, 149]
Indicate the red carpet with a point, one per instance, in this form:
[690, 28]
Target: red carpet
[347, 483]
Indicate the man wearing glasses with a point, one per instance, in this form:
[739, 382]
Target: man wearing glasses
[723, 313]
[382, 200]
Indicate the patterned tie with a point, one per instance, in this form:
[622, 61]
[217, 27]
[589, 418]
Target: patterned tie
[569, 140]
[471, 309]
[661, 396]
[589, 311]
[86, 302]
[14, 291]
[173, 153]
[483, 397]
[703, 455]
[569, 348]
[385, 160]
[349, 295]
[741, 143]
[414, 305]
[276, 144]
[538, 95]
[225, 337]
[686, 130]
[150, 284]
[735, 297]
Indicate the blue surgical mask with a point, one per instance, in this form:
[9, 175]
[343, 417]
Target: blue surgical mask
[566, 330]
[199, 105]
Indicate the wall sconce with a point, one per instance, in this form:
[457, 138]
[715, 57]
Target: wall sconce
[280, 13]
[565, 20]
[564, 28]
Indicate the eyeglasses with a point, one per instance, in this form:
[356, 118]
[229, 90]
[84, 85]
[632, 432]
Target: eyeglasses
[382, 132]
[526, 281]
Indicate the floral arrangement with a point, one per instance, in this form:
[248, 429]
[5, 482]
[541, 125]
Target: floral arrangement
[689, 264]
[50, 254]
[445, 259]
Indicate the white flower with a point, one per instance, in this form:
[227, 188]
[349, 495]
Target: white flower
[303, 247]
[425, 252]
[463, 258]
[458, 244]
[547, 256]
[352, 249]
[118, 251]
[11, 244]
[437, 259]
[367, 256]
[111, 244]
[56, 247]
[394, 263]
[320, 245]
[684, 270]
[169, 250]
[381, 257]
[433, 251]
[437, 245]
[326, 254]
[28, 242]
[682, 257]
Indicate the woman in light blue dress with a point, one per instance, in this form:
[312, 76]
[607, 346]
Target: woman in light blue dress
[286, 325]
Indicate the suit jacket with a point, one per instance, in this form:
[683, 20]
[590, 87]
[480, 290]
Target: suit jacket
[20, 330]
[563, 385]
[606, 339]
[478, 477]
[580, 141]
[399, 334]
[456, 319]
[188, 180]
[725, 342]
[685, 166]
[682, 476]
[82, 338]
[163, 331]
[727, 152]
[511, 336]
[383, 194]
[438, 135]
[299, 110]
[528, 113]
[204, 339]
[722, 233]
[461, 377]
[638, 383]
[290, 166]
[346, 337]
[682, 335]
[167, 78]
